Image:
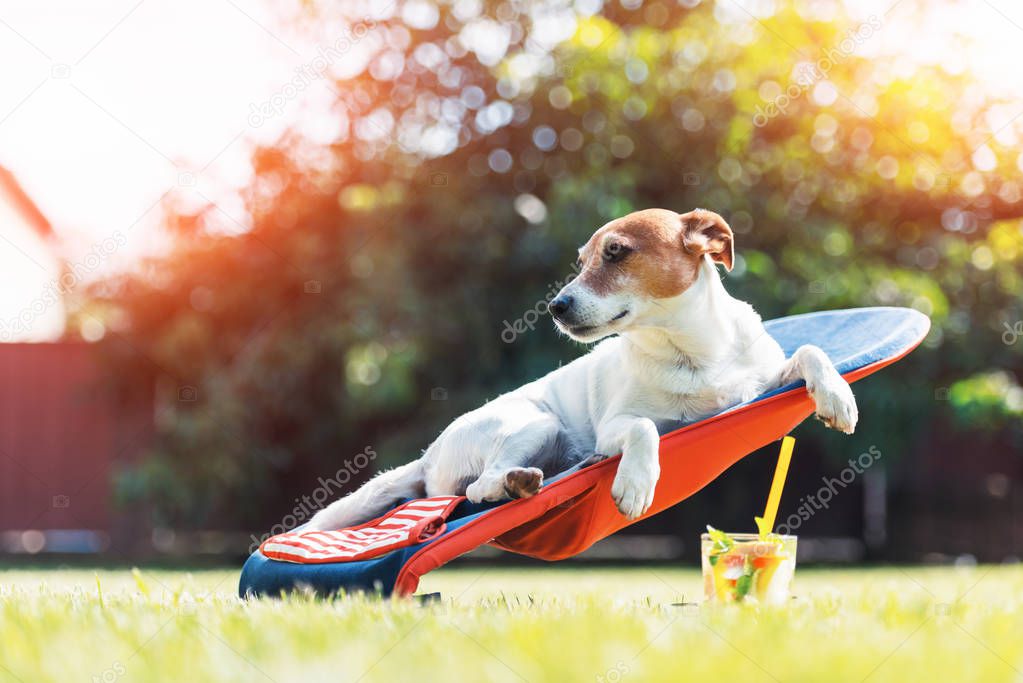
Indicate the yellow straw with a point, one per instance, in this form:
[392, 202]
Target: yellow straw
[765, 524]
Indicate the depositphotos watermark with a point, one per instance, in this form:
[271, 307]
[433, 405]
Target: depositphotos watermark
[309, 73]
[821, 500]
[54, 291]
[614, 674]
[1012, 333]
[811, 74]
[111, 674]
[310, 504]
[528, 321]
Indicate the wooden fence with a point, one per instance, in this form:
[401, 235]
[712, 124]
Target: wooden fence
[62, 436]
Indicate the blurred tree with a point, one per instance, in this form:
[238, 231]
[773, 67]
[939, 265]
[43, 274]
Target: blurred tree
[368, 300]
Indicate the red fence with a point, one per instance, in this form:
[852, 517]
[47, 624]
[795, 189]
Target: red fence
[62, 435]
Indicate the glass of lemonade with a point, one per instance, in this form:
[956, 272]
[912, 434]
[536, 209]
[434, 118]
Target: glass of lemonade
[746, 567]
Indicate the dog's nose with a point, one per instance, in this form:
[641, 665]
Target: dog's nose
[559, 305]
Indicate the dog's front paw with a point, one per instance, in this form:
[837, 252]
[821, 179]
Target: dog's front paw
[836, 405]
[633, 491]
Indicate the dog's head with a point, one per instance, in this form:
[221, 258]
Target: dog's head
[632, 264]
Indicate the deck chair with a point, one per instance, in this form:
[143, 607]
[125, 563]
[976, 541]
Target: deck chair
[574, 510]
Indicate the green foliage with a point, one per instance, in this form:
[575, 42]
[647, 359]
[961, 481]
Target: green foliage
[375, 271]
[988, 400]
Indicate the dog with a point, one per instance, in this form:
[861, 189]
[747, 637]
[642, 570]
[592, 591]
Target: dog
[676, 347]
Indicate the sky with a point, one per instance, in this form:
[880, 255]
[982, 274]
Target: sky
[106, 106]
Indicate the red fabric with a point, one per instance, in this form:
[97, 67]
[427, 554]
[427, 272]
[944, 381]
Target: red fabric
[569, 515]
[409, 524]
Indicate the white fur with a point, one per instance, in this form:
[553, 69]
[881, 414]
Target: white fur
[678, 359]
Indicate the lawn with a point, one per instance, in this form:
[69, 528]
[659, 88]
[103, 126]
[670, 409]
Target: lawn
[602, 625]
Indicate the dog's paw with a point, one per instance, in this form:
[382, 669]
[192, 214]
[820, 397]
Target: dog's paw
[523, 482]
[633, 492]
[836, 405]
[487, 488]
[593, 460]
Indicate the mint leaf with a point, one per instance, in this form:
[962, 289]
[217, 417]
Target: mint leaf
[746, 583]
[743, 585]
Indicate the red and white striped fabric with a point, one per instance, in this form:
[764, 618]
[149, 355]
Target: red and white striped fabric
[414, 522]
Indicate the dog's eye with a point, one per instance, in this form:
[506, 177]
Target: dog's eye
[579, 264]
[615, 251]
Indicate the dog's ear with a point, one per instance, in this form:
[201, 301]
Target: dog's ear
[705, 232]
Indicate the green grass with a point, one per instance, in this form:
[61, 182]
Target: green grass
[602, 625]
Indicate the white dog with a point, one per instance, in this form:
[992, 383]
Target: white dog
[684, 350]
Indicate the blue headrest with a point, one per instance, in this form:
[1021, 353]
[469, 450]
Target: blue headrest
[852, 338]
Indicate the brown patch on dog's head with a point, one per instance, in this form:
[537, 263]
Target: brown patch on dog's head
[654, 252]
